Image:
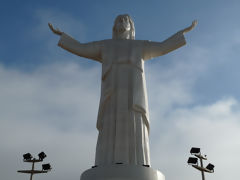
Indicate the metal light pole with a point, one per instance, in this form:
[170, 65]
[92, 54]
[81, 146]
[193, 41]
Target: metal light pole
[28, 158]
[194, 162]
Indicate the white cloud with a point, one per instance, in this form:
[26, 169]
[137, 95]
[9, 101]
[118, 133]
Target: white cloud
[172, 84]
[215, 128]
[51, 90]
[179, 121]
[53, 109]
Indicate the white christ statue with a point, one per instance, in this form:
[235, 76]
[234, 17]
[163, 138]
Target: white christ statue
[123, 120]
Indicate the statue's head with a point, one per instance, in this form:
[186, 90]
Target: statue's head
[123, 27]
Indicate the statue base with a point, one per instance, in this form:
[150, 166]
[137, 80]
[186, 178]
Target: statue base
[122, 172]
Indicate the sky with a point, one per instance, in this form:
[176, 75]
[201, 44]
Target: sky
[49, 98]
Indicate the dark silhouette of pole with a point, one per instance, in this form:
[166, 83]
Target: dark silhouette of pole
[194, 162]
[203, 176]
[202, 169]
[32, 171]
[33, 161]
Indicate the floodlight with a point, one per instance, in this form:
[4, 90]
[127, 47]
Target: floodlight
[46, 167]
[42, 155]
[27, 156]
[210, 167]
[195, 150]
[192, 160]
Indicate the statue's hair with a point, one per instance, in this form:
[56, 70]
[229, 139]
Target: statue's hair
[132, 30]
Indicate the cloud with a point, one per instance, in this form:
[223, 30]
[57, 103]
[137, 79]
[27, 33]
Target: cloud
[179, 121]
[53, 109]
[215, 128]
[171, 84]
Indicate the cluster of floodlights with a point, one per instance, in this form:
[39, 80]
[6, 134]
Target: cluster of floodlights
[194, 162]
[28, 158]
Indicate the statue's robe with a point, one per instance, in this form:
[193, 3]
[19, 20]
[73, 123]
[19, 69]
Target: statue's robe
[123, 119]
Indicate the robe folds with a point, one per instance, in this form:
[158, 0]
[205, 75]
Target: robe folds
[123, 118]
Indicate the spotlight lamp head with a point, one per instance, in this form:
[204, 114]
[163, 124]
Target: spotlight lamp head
[192, 161]
[42, 155]
[27, 156]
[29, 159]
[210, 167]
[195, 151]
[46, 167]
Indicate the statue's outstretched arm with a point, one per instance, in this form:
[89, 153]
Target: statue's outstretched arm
[88, 50]
[55, 31]
[155, 49]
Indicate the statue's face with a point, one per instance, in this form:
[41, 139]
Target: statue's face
[123, 27]
[123, 24]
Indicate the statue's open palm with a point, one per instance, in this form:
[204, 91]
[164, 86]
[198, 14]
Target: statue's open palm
[55, 31]
[194, 23]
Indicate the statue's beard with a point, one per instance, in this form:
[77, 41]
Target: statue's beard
[123, 28]
[123, 33]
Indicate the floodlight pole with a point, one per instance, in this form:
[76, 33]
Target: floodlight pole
[201, 162]
[193, 161]
[202, 169]
[32, 171]
[31, 176]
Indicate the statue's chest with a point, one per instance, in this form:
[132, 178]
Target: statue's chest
[121, 52]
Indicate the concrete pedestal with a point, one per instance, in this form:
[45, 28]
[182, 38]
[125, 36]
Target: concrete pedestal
[122, 172]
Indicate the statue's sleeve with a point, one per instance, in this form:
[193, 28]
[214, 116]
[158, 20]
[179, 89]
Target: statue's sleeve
[155, 49]
[90, 50]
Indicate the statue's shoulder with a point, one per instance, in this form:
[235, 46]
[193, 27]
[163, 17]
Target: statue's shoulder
[105, 41]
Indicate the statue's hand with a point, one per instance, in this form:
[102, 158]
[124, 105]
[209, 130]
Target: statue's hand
[55, 31]
[194, 23]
